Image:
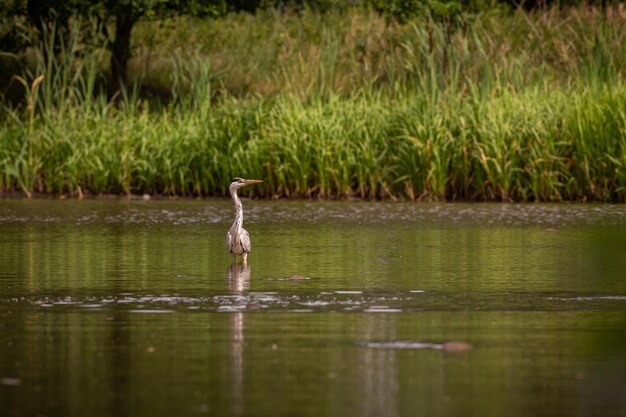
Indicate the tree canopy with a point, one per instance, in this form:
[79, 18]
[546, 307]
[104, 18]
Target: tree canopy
[117, 18]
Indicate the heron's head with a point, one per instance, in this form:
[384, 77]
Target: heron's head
[241, 182]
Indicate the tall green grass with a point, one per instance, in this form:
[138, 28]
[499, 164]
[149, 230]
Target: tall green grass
[307, 54]
[505, 107]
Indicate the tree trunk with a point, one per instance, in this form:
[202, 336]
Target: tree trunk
[120, 50]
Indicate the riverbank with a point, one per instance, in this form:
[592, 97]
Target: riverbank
[470, 116]
[532, 145]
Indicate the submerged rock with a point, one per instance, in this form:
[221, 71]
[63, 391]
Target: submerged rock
[453, 346]
[456, 346]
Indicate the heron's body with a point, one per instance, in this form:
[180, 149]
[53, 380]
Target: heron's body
[238, 238]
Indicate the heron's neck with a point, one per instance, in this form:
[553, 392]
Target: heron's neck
[238, 224]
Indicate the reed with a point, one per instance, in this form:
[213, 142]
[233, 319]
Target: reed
[505, 107]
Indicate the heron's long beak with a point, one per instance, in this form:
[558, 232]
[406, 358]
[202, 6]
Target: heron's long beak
[248, 182]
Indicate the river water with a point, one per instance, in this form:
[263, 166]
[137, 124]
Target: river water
[132, 308]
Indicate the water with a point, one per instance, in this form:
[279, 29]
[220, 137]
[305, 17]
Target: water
[131, 308]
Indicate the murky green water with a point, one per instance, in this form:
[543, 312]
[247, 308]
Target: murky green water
[131, 308]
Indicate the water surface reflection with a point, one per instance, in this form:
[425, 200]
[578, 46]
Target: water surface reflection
[239, 281]
[239, 277]
[131, 308]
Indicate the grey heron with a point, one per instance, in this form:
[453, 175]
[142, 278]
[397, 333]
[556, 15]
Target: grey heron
[238, 239]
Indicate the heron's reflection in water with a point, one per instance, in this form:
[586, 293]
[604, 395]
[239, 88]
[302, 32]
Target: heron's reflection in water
[239, 277]
[238, 283]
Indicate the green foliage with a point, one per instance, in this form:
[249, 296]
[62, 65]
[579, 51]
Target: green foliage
[508, 108]
[122, 14]
[404, 11]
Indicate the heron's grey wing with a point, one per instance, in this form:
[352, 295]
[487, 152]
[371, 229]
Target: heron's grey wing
[229, 242]
[245, 241]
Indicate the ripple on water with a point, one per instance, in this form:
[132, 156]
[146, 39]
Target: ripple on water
[189, 212]
[148, 311]
[588, 298]
[339, 300]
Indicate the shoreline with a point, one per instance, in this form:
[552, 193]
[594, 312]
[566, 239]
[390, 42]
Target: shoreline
[20, 195]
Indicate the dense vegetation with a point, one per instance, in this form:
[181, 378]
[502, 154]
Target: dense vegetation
[491, 105]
